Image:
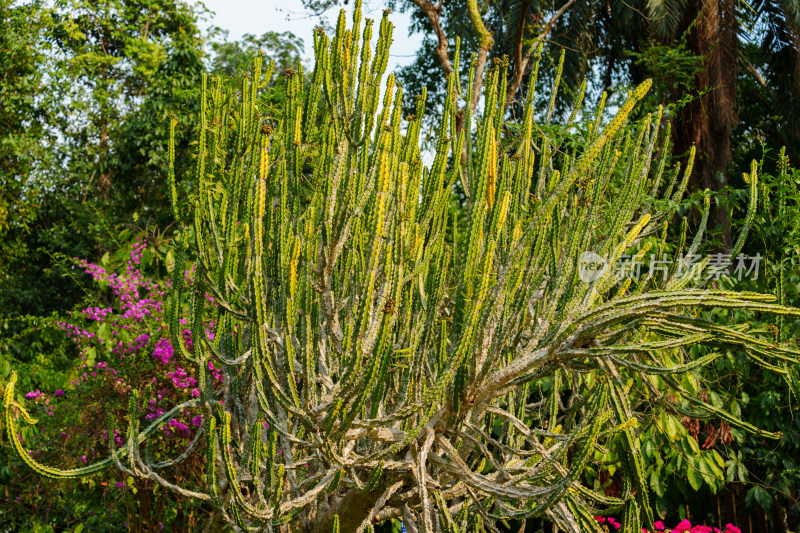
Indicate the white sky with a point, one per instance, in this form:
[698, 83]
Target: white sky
[259, 16]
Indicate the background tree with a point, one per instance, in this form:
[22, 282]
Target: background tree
[22, 124]
[235, 58]
[512, 29]
[702, 52]
[125, 67]
[112, 59]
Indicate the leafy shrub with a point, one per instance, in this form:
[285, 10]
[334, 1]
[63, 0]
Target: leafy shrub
[692, 462]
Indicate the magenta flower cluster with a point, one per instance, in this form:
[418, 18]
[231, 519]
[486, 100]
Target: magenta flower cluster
[182, 380]
[75, 331]
[139, 296]
[685, 526]
[163, 351]
[131, 332]
[215, 372]
[178, 428]
[96, 313]
[117, 437]
[608, 520]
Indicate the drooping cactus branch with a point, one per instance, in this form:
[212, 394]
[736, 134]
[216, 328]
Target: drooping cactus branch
[381, 360]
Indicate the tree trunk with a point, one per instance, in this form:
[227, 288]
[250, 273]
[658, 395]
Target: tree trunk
[104, 180]
[352, 509]
[708, 120]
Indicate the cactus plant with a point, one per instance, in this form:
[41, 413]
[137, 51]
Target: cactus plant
[381, 362]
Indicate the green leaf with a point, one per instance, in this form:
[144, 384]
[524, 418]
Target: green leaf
[718, 459]
[656, 483]
[102, 332]
[169, 260]
[690, 383]
[674, 428]
[91, 356]
[705, 469]
[694, 476]
[760, 496]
